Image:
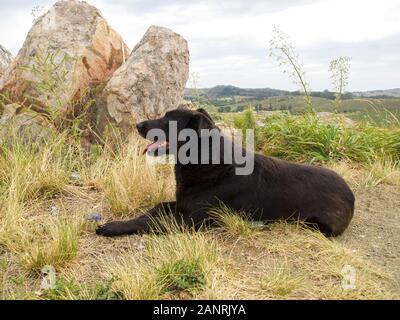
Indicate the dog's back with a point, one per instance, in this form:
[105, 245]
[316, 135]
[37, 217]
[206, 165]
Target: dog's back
[279, 189]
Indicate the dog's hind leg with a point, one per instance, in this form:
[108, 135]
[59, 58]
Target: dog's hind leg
[140, 224]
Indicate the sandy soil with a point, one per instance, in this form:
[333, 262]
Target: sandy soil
[375, 229]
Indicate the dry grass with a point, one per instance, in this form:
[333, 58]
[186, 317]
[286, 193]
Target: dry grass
[234, 224]
[175, 263]
[133, 184]
[280, 279]
[288, 261]
[58, 250]
[237, 260]
[384, 171]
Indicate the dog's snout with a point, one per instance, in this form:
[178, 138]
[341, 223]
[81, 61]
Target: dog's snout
[140, 126]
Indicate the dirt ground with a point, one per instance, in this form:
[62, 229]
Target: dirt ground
[375, 229]
[374, 234]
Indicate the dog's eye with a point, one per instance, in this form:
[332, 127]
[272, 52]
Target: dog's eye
[167, 114]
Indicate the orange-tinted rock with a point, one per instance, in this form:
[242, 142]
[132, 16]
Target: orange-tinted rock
[71, 29]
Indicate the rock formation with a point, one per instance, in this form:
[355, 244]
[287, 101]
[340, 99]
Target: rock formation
[28, 124]
[149, 83]
[5, 59]
[69, 49]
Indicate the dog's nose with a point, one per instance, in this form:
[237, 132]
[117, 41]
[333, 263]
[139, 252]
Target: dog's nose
[140, 126]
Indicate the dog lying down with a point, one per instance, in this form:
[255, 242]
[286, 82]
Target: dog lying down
[275, 189]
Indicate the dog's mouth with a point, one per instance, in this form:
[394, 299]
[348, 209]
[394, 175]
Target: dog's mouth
[155, 146]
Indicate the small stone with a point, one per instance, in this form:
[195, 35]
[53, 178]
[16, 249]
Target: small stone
[75, 176]
[54, 210]
[257, 224]
[140, 246]
[95, 217]
[49, 279]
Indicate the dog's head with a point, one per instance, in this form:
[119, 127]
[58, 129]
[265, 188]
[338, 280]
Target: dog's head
[182, 119]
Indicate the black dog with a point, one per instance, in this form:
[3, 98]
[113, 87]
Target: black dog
[276, 189]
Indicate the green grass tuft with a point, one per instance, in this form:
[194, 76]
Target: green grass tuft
[181, 275]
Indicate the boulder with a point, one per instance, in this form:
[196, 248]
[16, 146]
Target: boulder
[68, 49]
[27, 124]
[149, 83]
[5, 59]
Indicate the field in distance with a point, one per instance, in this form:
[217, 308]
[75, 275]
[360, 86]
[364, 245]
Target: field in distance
[357, 106]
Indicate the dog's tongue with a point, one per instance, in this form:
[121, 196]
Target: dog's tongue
[153, 146]
[150, 147]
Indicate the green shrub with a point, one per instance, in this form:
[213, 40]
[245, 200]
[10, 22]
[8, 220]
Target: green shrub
[306, 138]
[246, 120]
[66, 289]
[181, 276]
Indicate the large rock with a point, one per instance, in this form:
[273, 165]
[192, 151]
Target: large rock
[5, 59]
[27, 124]
[81, 43]
[150, 82]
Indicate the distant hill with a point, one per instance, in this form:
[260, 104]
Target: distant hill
[225, 91]
[231, 91]
[379, 93]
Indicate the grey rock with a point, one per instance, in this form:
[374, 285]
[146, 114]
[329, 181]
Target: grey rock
[149, 83]
[5, 59]
[27, 124]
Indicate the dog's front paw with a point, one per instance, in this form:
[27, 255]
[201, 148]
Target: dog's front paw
[111, 229]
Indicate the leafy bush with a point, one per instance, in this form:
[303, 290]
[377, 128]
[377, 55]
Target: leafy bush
[246, 120]
[306, 138]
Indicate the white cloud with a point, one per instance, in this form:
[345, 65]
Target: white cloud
[228, 40]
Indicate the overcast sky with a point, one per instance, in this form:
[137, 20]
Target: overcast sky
[228, 40]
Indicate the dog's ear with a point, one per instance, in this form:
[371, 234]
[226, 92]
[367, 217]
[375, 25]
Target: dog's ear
[203, 111]
[199, 121]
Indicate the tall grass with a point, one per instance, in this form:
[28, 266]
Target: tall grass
[132, 184]
[306, 138]
[235, 224]
[280, 278]
[178, 262]
[234, 261]
[30, 172]
[57, 250]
